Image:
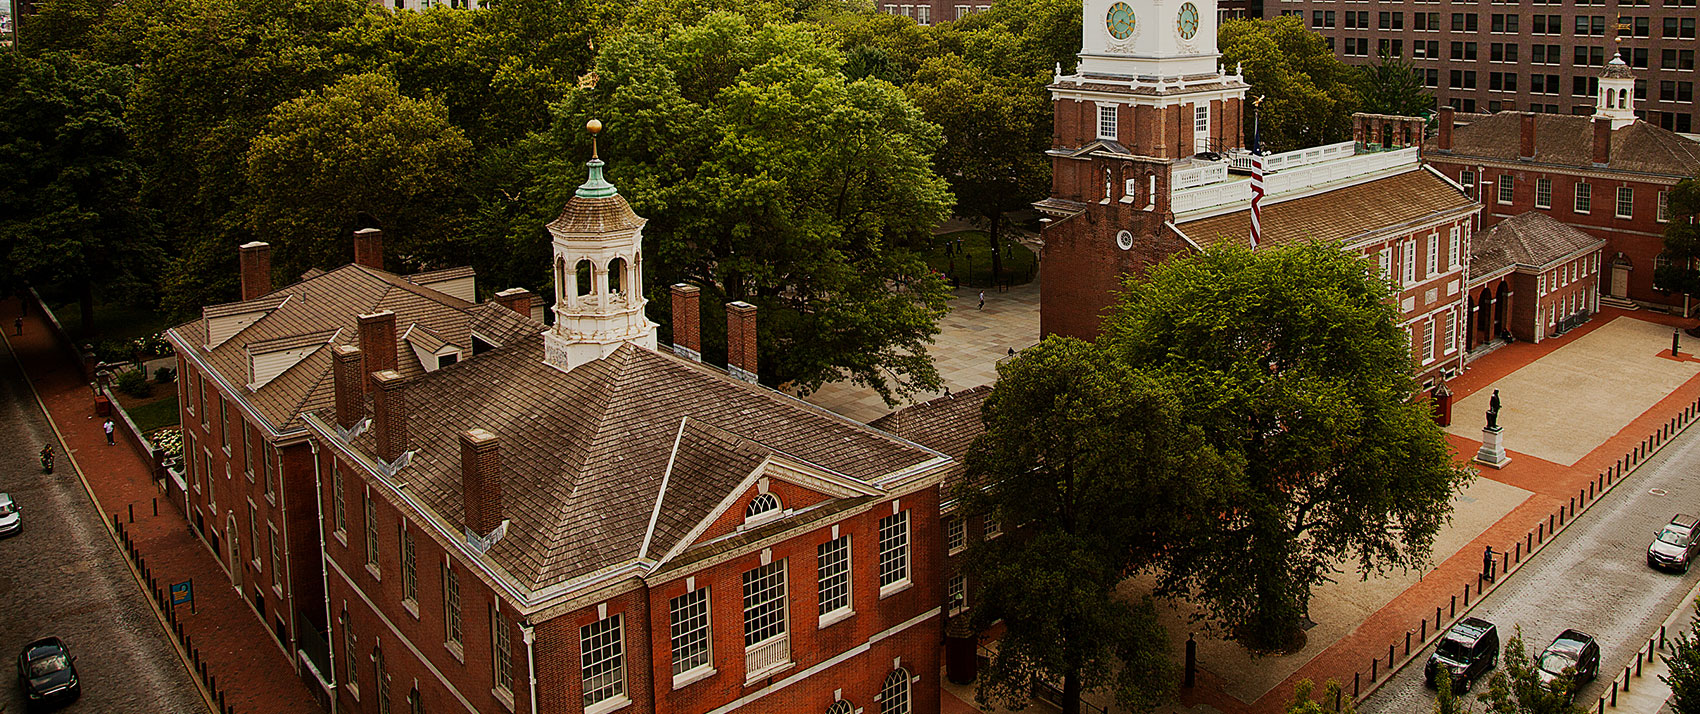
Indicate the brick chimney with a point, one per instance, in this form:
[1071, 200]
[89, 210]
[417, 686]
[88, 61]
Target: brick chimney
[1602, 141]
[347, 379]
[389, 414]
[377, 341]
[481, 480]
[1446, 128]
[256, 269]
[1526, 137]
[369, 248]
[741, 340]
[516, 299]
[687, 317]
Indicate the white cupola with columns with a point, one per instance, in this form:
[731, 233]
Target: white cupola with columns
[1616, 100]
[598, 269]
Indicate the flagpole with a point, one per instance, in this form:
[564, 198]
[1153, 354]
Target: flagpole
[1256, 172]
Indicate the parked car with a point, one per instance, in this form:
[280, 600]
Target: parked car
[10, 522]
[48, 672]
[1574, 650]
[1674, 545]
[1468, 651]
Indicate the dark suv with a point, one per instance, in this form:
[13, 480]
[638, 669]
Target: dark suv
[1674, 545]
[1467, 651]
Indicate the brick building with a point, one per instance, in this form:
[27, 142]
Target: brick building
[930, 12]
[1147, 163]
[1531, 254]
[1503, 55]
[1608, 175]
[579, 520]
[249, 368]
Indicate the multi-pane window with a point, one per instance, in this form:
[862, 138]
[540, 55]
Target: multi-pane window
[1454, 247]
[1505, 24]
[1505, 188]
[277, 559]
[451, 606]
[1428, 340]
[1503, 52]
[1465, 22]
[1664, 207]
[894, 694]
[1584, 198]
[409, 569]
[1543, 193]
[602, 657]
[1547, 25]
[339, 504]
[993, 527]
[1676, 59]
[764, 604]
[502, 652]
[268, 456]
[1591, 25]
[224, 423]
[840, 707]
[834, 575]
[247, 453]
[956, 531]
[202, 381]
[1409, 257]
[1391, 20]
[350, 647]
[894, 549]
[1106, 122]
[1464, 51]
[254, 536]
[380, 680]
[956, 593]
[689, 629]
[1385, 259]
[1502, 81]
[371, 531]
[1468, 179]
[1625, 202]
[1546, 54]
[1433, 253]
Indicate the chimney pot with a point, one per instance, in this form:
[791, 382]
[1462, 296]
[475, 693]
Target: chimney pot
[347, 379]
[1602, 141]
[389, 407]
[1526, 136]
[256, 269]
[516, 299]
[741, 340]
[377, 342]
[687, 316]
[369, 248]
[481, 480]
[1446, 117]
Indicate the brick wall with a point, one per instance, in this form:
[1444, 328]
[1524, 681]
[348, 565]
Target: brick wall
[1084, 266]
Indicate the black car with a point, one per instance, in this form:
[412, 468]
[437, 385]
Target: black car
[1467, 651]
[1572, 650]
[48, 672]
[1674, 545]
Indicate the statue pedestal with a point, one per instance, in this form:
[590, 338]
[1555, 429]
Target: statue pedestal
[1492, 452]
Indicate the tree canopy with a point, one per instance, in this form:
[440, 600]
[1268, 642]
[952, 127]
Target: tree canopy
[1291, 363]
[1392, 85]
[1309, 95]
[1517, 687]
[1681, 272]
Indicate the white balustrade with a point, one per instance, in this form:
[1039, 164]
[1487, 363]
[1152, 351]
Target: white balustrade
[766, 655]
[1313, 173]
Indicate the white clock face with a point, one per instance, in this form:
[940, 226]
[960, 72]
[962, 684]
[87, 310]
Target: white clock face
[1186, 21]
[1124, 240]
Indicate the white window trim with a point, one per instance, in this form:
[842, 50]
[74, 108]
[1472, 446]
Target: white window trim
[1114, 122]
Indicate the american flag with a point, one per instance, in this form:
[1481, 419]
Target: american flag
[1256, 180]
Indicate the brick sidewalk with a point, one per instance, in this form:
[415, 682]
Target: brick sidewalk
[242, 659]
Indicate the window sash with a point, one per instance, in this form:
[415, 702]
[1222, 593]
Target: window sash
[451, 606]
[371, 530]
[689, 629]
[603, 660]
[1543, 193]
[409, 567]
[1625, 202]
[764, 604]
[894, 693]
[501, 651]
[1107, 122]
[894, 549]
[834, 575]
[1584, 198]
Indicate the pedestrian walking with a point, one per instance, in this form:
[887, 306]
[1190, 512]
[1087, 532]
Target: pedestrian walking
[982, 300]
[19, 323]
[108, 427]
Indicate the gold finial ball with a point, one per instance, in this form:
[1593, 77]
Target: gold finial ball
[593, 126]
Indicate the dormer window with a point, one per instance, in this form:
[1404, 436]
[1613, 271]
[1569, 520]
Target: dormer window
[762, 508]
[1107, 122]
[446, 360]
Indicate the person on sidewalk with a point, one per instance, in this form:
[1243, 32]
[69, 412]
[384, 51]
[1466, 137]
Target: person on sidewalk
[1487, 564]
[982, 300]
[19, 323]
[108, 427]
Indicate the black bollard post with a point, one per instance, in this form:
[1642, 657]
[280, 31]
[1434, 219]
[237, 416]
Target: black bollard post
[1626, 679]
[1467, 594]
[1355, 684]
[1437, 618]
[156, 505]
[1374, 668]
[1407, 643]
[1424, 633]
[1337, 700]
[1454, 612]
[1390, 657]
[1505, 566]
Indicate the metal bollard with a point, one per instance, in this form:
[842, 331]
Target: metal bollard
[1517, 550]
[1374, 668]
[1424, 630]
[1390, 656]
[1638, 662]
[1529, 542]
[1626, 680]
[1590, 489]
[1407, 644]
[1549, 522]
[1355, 684]
[1505, 567]
[1614, 694]
[156, 506]
[1467, 594]
[1437, 618]
[132, 509]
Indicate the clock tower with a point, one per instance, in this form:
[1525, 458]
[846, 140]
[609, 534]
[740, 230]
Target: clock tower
[1148, 104]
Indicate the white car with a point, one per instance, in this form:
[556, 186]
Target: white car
[10, 521]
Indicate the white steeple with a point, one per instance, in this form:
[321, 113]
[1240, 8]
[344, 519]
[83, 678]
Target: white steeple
[598, 267]
[1616, 100]
[1148, 38]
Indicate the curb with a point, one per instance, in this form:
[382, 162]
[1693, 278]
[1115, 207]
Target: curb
[136, 575]
[1637, 457]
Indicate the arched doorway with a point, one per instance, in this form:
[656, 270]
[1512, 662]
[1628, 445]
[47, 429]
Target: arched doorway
[233, 554]
[1482, 331]
[1501, 308]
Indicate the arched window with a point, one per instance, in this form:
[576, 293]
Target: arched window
[582, 268]
[1107, 182]
[561, 280]
[415, 704]
[763, 506]
[840, 707]
[616, 275]
[1622, 100]
[1611, 98]
[894, 695]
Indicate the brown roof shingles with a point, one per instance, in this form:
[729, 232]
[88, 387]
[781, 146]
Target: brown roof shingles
[1532, 239]
[1569, 141]
[1338, 215]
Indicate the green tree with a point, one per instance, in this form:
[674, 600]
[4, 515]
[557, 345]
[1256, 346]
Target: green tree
[1446, 699]
[996, 131]
[768, 177]
[1517, 687]
[1681, 273]
[357, 150]
[1087, 456]
[1684, 677]
[1309, 95]
[69, 212]
[1302, 703]
[1292, 363]
[1392, 85]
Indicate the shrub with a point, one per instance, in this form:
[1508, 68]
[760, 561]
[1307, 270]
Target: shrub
[164, 375]
[134, 383]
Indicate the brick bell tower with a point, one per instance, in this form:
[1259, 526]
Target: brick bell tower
[1149, 100]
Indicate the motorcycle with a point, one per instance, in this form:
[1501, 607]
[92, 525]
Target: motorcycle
[47, 462]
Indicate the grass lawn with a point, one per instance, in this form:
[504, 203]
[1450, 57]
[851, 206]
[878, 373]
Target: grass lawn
[156, 414]
[113, 321]
[973, 266]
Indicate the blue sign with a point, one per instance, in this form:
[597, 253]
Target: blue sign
[183, 592]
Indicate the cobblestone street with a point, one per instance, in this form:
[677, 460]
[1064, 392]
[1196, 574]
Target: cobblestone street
[64, 576]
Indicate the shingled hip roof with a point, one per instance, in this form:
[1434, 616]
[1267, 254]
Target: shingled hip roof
[1531, 240]
[1567, 140]
[1343, 214]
